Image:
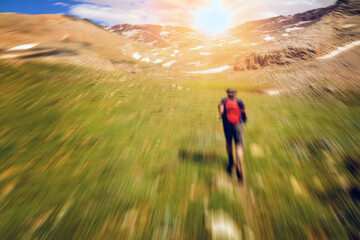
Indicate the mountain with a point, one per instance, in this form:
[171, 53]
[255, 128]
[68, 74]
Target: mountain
[165, 36]
[66, 39]
[156, 35]
[282, 40]
[279, 40]
[303, 36]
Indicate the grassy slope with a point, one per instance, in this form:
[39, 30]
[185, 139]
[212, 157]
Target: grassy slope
[105, 155]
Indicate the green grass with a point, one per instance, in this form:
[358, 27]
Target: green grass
[88, 154]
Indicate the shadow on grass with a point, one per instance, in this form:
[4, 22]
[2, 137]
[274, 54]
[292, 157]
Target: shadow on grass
[50, 53]
[201, 157]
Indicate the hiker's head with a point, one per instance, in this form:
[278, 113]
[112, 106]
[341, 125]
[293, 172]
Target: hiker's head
[231, 92]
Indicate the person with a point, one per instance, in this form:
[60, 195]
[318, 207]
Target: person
[233, 114]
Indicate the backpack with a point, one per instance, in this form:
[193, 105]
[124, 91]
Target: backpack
[233, 111]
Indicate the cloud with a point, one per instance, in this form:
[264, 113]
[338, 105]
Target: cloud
[183, 12]
[61, 4]
[109, 15]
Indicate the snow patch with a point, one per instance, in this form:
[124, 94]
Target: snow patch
[164, 33]
[151, 43]
[268, 38]
[254, 44]
[168, 64]
[23, 47]
[130, 33]
[293, 29]
[9, 56]
[205, 53]
[272, 92]
[213, 70]
[158, 61]
[155, 54]
[136, 55]
[348, 25]
[285, 18]
[146, 60]
[339, 50]
[216, 45]
[196, 48]
[175, 52]
[197, 63]
[235, 41]
[285, 35]
[302, 22]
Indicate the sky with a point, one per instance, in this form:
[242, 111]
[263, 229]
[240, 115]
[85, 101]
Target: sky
[214, 14]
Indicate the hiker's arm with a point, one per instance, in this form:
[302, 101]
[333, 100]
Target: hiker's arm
[244, 115]
[221, 109]
[243, 111]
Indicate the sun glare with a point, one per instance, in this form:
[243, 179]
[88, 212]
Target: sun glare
[214, 18]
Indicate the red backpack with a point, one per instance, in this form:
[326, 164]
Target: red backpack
[233, 111]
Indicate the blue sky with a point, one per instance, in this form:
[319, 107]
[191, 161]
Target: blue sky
[162, 12]
[35, 6]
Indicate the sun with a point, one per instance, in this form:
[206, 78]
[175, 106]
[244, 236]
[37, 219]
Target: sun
[213, 19]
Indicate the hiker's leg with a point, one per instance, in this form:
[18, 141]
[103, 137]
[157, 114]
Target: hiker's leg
[239, 148]
[239, 157]
[229, 137]
[230, 153]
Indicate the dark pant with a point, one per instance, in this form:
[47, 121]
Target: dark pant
[234, 132]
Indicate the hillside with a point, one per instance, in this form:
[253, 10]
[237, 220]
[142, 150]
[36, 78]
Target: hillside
[256, 44]
[65, 39]
[114, 133]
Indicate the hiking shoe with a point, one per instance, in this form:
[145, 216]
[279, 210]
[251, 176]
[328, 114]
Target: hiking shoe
[239, 175]
[229, 168]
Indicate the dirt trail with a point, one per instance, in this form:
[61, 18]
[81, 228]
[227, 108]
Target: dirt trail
[219, 223]
[245, 197]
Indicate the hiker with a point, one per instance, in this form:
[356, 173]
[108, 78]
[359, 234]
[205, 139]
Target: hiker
[233, 114]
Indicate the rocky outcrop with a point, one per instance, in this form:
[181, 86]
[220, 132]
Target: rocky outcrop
[252, 62]
[350, 7]
[256, 61]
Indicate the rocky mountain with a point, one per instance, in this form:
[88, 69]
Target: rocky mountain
[295, 39]
[156, 35]
[303, 36]
[165, 36]
[279, 40]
